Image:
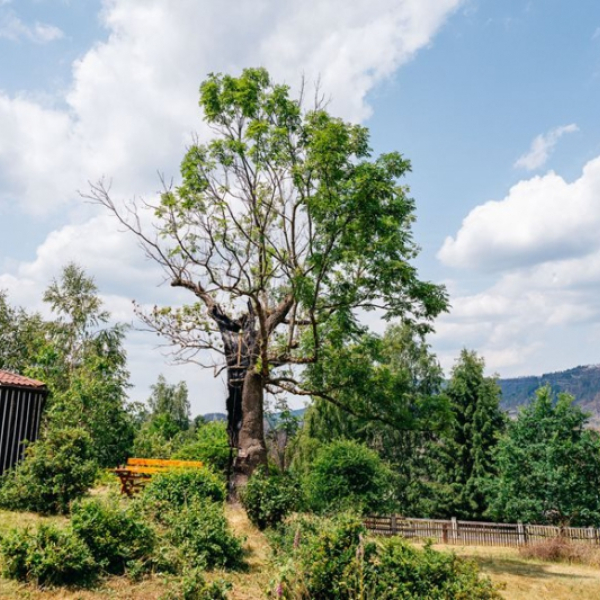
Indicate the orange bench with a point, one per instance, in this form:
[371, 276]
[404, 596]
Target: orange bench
[138, 471]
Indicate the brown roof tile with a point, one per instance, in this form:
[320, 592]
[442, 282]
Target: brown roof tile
[7, 378]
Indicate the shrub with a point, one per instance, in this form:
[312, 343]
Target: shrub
[201, 532]
[346, 475]
[268, 499]
[210, 445]
[331, 559]
[400, 570]
[47, 556]
[56, 470]
[177, 488]
[114, 534]
[193, 586]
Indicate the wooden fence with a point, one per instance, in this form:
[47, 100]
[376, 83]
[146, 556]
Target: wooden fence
[472, 533]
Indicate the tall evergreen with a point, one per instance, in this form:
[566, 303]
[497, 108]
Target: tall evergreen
[466, 453]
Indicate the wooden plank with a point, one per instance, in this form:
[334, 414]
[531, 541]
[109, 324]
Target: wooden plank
[160, 462]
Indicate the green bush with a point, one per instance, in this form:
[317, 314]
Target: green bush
[177, 488]
[57, 469]
[268, 499]
[346, 475]
[115, 535]
[201, 532]
[400, 570]
[193, 586]
[47, 556]
[210, 445]
[331, 559]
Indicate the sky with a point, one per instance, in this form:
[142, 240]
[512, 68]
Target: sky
[496, 104]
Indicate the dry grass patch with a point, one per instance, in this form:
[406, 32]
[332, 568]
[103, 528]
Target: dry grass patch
[252, 584]
[563, 550]
[520, 578]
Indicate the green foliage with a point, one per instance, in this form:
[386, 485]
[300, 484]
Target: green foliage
[193, 586]
[57, 469]
[171, 401]
[178, 487]
[115, 534]
[79, 357]
[388, 383]
[21, 336]
[209, 445]
[331, 559]
[548, 466]
[347, 475]
[268, 499]
[465, 454]
[400, 375]
[202, 535]
[47, 556]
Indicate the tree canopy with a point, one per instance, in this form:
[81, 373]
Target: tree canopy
[548, 465]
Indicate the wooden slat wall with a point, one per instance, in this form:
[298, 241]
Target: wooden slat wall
[470, 533]
[20, 415]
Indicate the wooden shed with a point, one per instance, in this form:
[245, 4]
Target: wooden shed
[21, 404]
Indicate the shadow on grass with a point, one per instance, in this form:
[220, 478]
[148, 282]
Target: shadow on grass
[521, 568]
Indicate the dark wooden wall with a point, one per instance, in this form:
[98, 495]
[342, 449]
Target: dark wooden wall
[20, 415]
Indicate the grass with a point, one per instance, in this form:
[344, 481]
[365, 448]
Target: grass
[517, 577]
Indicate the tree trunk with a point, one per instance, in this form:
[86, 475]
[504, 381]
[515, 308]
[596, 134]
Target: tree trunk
[245, 425]
[252, 450]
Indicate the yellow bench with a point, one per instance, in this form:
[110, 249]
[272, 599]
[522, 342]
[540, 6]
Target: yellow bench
[138, 471]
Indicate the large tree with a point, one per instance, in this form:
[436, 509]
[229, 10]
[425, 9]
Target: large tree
[548, 465]
[284, 229]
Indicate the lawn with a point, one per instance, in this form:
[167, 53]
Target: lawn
[517, 578]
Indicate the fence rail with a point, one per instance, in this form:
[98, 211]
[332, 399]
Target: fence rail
[471, 533]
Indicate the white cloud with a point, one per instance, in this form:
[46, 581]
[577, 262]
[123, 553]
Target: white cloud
[542, 146]
[133, 101]
[541, 219]
[14, 29]
[541, 312]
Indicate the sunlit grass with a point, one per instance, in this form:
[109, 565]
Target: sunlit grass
[517, 578]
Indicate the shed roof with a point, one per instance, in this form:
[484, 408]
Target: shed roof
[12, 379]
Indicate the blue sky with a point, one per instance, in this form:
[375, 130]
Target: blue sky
[495, 103]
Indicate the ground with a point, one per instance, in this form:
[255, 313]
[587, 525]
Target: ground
[517, 578]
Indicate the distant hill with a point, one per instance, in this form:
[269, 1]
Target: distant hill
[215, 417]
[581, 382]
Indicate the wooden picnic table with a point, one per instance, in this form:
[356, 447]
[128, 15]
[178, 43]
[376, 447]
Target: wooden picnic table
[138, 471]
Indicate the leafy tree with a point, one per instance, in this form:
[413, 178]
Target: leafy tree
[548, 465]
[172, 401]
[21, 335]
[465, 454]
[81, 359]
[283, 228]
[84, 366]
[400, 378]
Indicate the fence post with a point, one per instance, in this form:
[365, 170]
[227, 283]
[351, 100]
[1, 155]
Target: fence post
[521, 541]
[454, 524]
[592, 535]
[394, 525]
